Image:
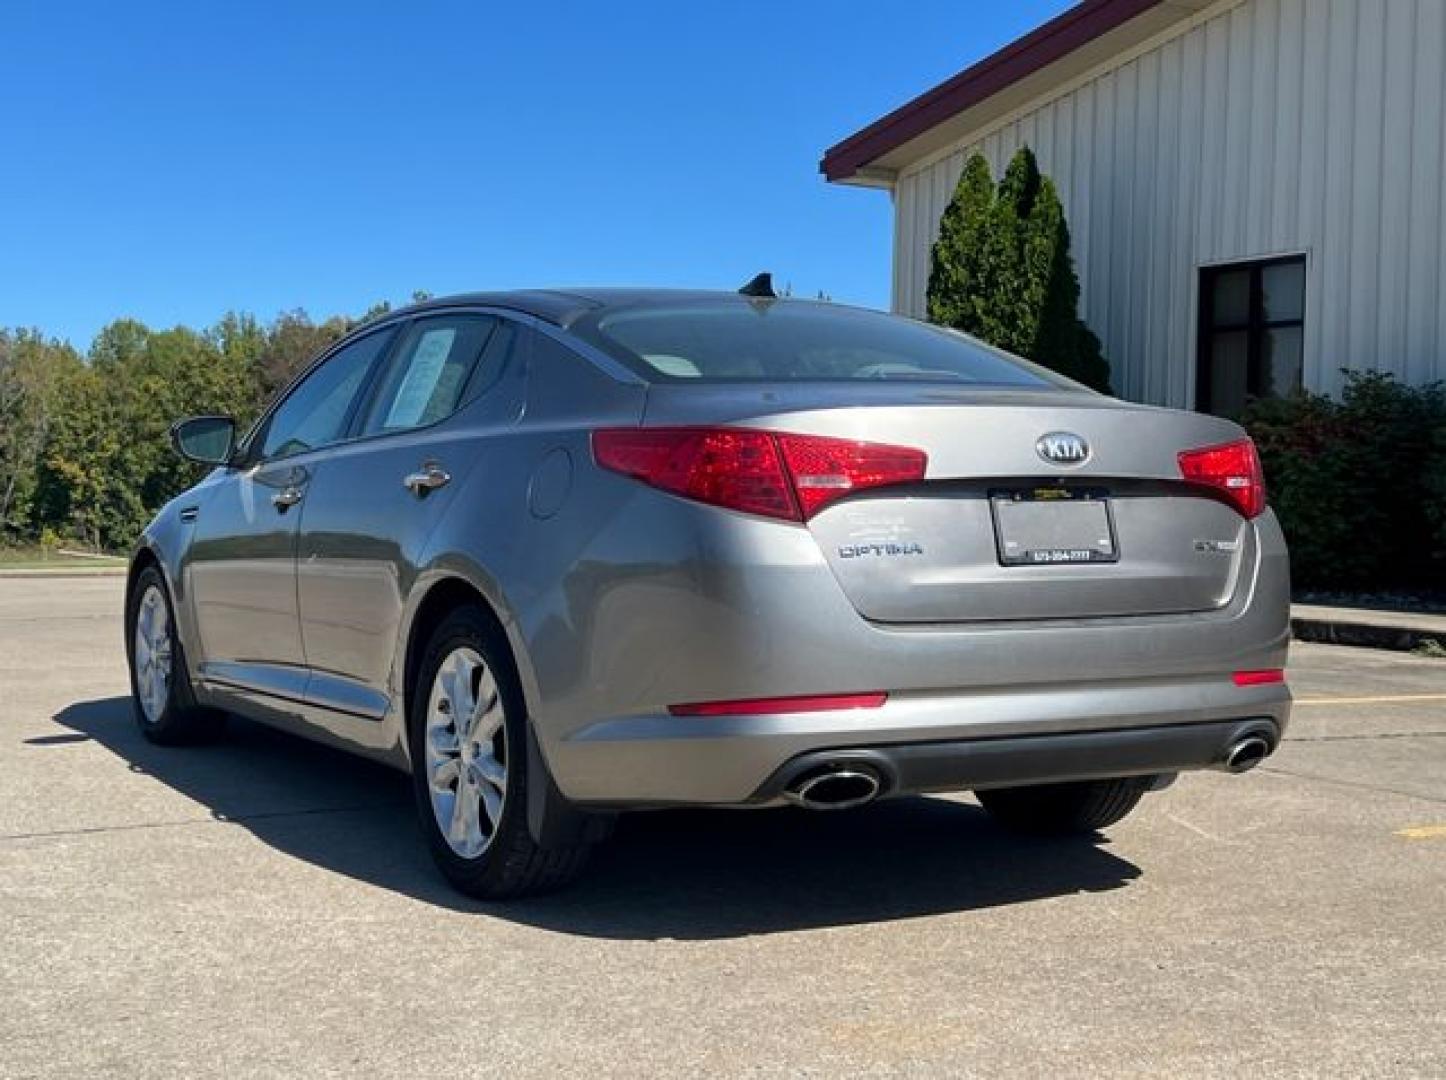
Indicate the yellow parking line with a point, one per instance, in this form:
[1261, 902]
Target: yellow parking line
[1380, 700]
[1424, 832]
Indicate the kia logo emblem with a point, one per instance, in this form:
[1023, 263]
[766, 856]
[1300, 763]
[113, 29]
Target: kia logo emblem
[1063, 448]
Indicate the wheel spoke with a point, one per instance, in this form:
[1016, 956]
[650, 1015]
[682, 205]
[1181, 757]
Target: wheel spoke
[445, 774]
[490, 770]
[466, 831]
[488, 722]
[443, 739]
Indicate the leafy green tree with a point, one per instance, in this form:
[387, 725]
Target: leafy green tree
[291, 342]
[31, 368]
[84, 452]
[108, 464]
[1001, 270]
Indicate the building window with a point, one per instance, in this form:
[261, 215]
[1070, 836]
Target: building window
[1251, 333]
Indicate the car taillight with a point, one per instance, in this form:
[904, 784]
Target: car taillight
[1232, 469]
[784, 476]
[824, 470]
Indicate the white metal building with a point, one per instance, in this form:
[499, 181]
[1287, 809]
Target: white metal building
[1254, 186]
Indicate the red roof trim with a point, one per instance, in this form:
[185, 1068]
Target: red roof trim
[1038, 49]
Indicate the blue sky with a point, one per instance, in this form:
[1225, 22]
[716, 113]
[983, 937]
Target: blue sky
[172, 161]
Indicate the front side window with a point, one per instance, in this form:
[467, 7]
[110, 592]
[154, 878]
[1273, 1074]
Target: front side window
[433, 366]
[793, 341]
[315, 414]
[1252, 333]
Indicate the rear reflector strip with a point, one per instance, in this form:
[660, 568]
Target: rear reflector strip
[758, 706]
[1258, 678]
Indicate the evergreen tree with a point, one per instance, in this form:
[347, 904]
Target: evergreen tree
[1002, 271]
[957, 272]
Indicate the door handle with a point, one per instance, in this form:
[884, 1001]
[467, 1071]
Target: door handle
[428, 478]
[287, 497]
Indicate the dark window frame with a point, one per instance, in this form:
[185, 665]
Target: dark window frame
[1254, 327]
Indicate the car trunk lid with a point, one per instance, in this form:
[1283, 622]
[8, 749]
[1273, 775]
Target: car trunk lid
[997, 530]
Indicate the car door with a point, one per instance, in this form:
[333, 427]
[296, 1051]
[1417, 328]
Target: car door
[452, 379]
[241, 565]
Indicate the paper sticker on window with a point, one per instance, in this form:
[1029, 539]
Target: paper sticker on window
[415, 393]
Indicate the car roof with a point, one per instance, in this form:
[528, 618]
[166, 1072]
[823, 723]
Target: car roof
[562, 307]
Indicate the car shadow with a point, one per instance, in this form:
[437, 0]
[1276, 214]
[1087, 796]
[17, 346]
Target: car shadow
[691, 875]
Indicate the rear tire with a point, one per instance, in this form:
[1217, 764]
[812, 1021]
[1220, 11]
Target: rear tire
[467, 731]
[1064, 809]
[161, 694]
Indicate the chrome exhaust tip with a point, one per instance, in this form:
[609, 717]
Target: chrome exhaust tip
[834, 789]
[1246, 753]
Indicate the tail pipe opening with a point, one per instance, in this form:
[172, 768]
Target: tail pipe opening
[840, 787]
[1246, 753]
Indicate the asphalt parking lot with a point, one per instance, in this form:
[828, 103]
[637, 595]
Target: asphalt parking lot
[265, 907]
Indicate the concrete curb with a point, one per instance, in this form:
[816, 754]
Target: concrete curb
[1399, 630]
[65, 572]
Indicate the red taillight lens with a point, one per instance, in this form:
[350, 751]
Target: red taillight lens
[734, 468]
[758, 706]
[824, 470]
[1258, 678]
[1233, 469]
[790, 477]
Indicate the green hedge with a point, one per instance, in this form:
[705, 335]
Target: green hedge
[1359, 483]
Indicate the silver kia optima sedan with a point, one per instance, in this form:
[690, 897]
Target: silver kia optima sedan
[561, 554]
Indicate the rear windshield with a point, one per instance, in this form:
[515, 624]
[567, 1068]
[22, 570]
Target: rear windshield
[792, 341]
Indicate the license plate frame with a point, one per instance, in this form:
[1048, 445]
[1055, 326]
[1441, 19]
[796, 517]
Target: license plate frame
[1022, 528]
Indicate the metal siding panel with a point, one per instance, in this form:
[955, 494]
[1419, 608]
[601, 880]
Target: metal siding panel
[1395, 185]
[1080, 200]
[1284, 175]
[1103, 211]
[1439, 43]
[1311, 210]
[1184, 298]
[1368, 100]
[1335, 238]
[1231, 236]
[1149, 230]
[900, 250]
[903, 242]
[1122, 236]
[1425, 240]
[1262, 42]
[1216, 78]
[910, 189]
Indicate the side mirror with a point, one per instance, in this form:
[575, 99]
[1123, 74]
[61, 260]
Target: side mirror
[208, 440]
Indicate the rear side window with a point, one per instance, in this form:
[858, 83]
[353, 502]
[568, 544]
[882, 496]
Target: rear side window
[426, 380]
[792, 341]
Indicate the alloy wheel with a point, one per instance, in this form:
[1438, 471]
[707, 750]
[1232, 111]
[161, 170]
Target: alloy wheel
[465, 748]
[153, 653]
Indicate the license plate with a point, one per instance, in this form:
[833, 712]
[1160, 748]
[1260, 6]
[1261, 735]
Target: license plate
[1043, 526]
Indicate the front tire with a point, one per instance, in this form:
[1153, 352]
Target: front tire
[1064, 809]
[467, 731]
[161, 695]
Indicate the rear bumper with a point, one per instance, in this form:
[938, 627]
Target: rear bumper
[971, 764]
[922, 742]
